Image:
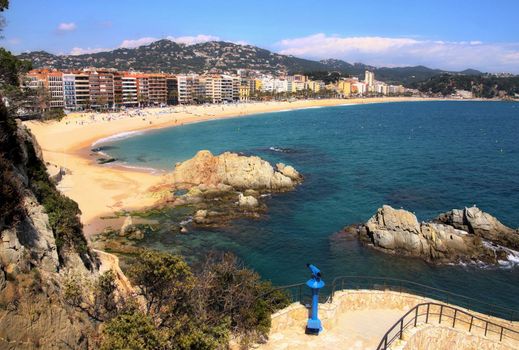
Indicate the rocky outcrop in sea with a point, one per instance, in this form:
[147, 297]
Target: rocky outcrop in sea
[239, 172]
[460, 235]
[224, 187]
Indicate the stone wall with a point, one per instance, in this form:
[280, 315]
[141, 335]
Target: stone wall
[296, 314]
[448, 338]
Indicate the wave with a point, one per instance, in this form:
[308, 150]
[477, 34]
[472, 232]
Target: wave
[281, 149]
[101, 153]
[134, 167]
[117, 137]
[186, 221]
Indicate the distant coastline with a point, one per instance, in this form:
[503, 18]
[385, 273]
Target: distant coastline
[101, 190]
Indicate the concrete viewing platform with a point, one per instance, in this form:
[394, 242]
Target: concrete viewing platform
[359, 319]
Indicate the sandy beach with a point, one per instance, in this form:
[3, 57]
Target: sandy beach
[101, 190]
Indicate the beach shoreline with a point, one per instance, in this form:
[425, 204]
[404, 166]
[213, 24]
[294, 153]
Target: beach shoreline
[102, 190]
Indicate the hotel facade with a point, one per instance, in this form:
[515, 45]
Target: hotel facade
[100, 88]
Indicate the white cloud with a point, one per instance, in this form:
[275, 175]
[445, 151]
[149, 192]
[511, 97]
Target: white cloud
[320, 43]
[190, 40]
[81, 51]
[387, 51]
[132, 43]
[66, 27]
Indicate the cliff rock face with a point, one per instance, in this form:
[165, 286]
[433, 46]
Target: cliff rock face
[231, 169]
[31, 242]
[459, 235]
[32, 311]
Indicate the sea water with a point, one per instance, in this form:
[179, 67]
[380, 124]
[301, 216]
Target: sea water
[426, 157]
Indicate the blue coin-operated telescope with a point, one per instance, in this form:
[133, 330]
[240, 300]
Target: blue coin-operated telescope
[315, 283]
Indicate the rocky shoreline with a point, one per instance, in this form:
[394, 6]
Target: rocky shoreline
[461, 235]
[217, 190]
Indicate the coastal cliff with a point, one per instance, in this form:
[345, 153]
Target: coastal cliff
[466, 235]
[41, 247]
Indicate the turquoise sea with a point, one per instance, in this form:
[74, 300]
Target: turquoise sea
[426, 157]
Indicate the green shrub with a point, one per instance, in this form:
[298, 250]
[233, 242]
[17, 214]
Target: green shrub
[133, 330]
[200, 311]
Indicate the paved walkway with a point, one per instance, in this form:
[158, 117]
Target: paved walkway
[356, 330]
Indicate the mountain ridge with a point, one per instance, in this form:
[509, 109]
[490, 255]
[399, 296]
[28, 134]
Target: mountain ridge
[171, 57]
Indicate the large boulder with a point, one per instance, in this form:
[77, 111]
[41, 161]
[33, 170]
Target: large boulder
[237, 171]
[450, 238]
[473, 220]
[288, 171]
[396, 229]
[247, 201]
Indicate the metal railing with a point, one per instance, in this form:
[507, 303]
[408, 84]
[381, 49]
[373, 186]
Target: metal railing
[445, 314]
[400, 285]
[300, 293]
[450, 316]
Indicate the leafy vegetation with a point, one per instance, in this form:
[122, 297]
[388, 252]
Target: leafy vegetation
[63, 212]
[11, 190]
[327, 77]
[483, 86]
[187, 310]
[97, 299]
[133, 330]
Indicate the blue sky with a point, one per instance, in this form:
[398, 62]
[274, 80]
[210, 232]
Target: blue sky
[455, 34]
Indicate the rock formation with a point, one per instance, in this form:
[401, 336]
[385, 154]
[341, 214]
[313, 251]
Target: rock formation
[221, 188]
[459, 235]
[484, 225]
[247, 201]
[239, 172]
[40, 242]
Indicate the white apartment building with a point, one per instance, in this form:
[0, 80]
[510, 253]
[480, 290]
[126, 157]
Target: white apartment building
[129, 91]
[396, 89]
[381, 88]
[55, 88]
[360, 87]
[369, 78]
[271, 84]
[69, 91]
[189, 88]
[213, 88]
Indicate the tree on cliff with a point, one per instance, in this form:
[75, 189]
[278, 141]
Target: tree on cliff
[194, 310]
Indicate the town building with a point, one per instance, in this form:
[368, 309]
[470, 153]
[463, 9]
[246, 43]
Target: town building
[172, 90]
[129, 91]
[369, 78]
[213, 88]
[157, 89]
[188, 88]
[101, 88]
[344, 88]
